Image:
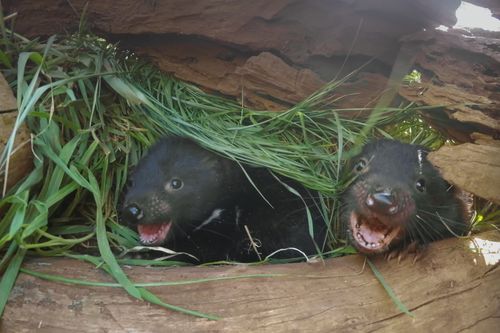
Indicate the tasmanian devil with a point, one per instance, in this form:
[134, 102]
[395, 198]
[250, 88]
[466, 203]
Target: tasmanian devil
[398, 201]
[189, 199]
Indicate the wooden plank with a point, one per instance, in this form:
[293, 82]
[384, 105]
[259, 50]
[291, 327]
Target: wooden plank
[453, 288]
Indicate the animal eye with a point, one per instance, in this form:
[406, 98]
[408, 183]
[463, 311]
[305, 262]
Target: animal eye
[420, 185]
[360, 165]
[176, 183]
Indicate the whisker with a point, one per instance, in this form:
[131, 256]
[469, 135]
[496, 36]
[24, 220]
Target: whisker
[446, 225]
[424, 232]
[442, 218]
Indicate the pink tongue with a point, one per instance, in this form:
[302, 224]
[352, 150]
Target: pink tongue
[370, 235]
[153, 234]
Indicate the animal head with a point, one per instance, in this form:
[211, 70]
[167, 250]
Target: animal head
[175, 187]
[398, 197]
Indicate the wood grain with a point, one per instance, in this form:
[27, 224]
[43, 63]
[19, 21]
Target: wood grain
[473, 168]
[21, 160]
[453, 288]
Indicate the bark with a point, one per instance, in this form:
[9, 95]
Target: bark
[270, 55]
[21, 160]
[472, 167]
[454, 287]
[462, 73]
[226, 46]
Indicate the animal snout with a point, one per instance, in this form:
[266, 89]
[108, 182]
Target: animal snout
[382, 202]
[132, 213]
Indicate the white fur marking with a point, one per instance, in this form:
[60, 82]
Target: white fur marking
[420, 160]
[238, 215]
[215, 215]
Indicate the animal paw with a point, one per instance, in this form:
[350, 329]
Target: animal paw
[415, 249]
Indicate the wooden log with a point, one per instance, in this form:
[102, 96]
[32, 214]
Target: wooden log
[267, 54]
[471, 167]
[454, 287]
[21, 160]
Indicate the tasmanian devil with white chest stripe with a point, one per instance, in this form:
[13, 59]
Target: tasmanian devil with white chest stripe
[398, 201]
[189, 199]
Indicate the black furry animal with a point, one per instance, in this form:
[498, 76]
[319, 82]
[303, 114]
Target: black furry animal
[189, 199]
[398, 200]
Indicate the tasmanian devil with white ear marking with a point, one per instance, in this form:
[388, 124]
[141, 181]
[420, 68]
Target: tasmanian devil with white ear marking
[398, 201]
[188, 199]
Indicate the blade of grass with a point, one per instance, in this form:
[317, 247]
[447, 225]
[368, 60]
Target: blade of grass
[401, 307]
[9, 277]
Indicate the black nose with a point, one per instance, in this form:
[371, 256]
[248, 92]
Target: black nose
[383, 202]
[133, 213]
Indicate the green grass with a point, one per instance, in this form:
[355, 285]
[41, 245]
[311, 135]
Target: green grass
[94, 110]
[487, 216]
[401, 307]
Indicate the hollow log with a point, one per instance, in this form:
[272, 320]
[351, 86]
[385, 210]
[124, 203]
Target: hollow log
[454, 287]
[270, 55]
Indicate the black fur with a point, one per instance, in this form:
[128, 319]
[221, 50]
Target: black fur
[406, 192]
[211, 182]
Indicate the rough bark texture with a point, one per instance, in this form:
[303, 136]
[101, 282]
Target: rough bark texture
[472, 167]
[461, 72]
[453, 288]
[271, 54]
[7, 99]
[228, 46]
[21, 161]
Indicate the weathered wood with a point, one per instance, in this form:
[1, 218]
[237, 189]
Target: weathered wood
[460, 72]
[226, 46]
[21, 160]
[453, 288]
[471, 167]
[272, 54]
[7, 99]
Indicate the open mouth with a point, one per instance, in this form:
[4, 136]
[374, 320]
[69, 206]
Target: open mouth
[370, 234]
[153, 234]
